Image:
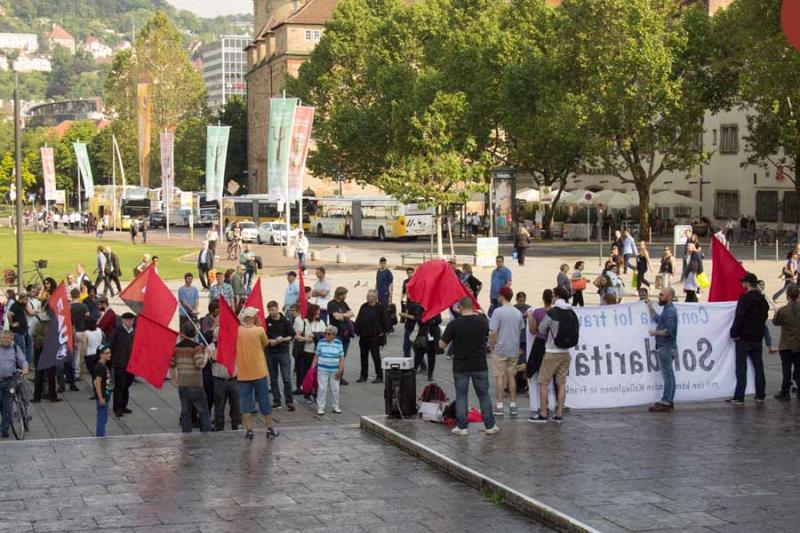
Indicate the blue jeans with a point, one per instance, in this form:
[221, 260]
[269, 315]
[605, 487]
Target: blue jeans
[480, 382]
[5, 403]
[345, 343]
[666, 358]
[193, 397]
[252, 391]
[280, 362]
[23, 341]
[753, 350]
[301, 257]
[407, 342]
[102, 418]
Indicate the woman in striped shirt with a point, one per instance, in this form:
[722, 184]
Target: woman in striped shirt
[329, 362]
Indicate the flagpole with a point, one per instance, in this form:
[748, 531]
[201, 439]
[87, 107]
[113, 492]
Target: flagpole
[114, 183]
[168, 201]
[79, 184]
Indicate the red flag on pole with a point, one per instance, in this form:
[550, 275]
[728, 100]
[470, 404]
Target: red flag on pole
[254, 299]
[60, 340]
[301, 298]
[227, 337]
[153, 346]
[436, 287]
[159, 304]
[726, 285]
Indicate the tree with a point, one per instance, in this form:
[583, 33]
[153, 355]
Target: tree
[764, 71]
[643, 80]
[234, 114]
[177, 90]
[544, 121]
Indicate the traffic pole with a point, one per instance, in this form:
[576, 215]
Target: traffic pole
[18, 168]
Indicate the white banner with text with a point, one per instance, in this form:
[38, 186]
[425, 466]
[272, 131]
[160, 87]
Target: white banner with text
[615, 363]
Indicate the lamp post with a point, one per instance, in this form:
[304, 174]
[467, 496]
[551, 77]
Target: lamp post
[18, 169]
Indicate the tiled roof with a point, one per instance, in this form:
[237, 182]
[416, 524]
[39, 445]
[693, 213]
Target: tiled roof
[59, 33]
[312, 12]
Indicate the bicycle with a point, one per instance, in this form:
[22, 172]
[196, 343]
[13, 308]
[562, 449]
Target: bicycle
[234, 249]
[20, 417]
[37, 274]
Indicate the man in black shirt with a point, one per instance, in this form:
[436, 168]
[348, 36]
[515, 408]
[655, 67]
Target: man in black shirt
[469, 333]
[78, 313]
[18, 324]
[279, 334]
[121, 344]
[100, 380]
[340, 316]
[371, 327]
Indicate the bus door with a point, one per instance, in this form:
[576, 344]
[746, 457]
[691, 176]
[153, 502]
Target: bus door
[355, 229]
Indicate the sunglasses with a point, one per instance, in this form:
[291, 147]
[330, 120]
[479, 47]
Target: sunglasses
[329, 334]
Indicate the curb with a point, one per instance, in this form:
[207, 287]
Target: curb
[531, 507]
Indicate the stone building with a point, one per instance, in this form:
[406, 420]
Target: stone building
[60, 37]
[285, 34]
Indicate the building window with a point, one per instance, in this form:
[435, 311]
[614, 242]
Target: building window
[726, 204]
[313, 35]
[729, 139]
[767, 206]
[791, 207]
[714, 136]
[683, 212]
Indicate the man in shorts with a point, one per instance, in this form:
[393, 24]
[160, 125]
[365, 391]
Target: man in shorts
[556, 359]
[252, 372]
[504, 331]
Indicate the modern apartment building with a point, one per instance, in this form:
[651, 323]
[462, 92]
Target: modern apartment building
[224, 67]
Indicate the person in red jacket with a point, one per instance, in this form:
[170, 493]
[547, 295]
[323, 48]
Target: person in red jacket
[108, 318]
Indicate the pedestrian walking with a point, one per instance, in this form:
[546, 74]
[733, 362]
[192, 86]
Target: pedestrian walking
[329, 362]
[252, 372]
[205, 262]
[788, 318]
[666, 336]
[279, 334]
[522, 240]
[101, 378]
[384, 283]
[121, 344]
[469, 334]
[629, 251]
[501, 277]
[212, 236]
[578, 284]
[504, 333]
[134, 229]
[561, 327]
[371, 326]
[788, 274]
[667, 268]
[114, 270]
[238, 287]
[302, 249]
[12, 359]
[690, 285]
[748, 333]
[188, 360]
[563, 279]
[643, 265]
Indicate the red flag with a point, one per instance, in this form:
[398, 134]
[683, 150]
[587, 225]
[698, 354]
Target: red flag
[153, 346]
[301, 299]
[254, 299]
[227, 337]
[60, 339]
[436, 287]
[59, 304]
[147, 294]
[726, 285]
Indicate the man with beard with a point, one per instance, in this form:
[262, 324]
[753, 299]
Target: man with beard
[666, 335]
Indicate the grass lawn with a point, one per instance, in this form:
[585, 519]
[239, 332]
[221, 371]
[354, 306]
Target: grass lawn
[63, 252]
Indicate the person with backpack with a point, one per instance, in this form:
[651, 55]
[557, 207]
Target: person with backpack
[666, 335]
[562, 329]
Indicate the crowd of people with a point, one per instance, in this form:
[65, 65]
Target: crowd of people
[274, 358]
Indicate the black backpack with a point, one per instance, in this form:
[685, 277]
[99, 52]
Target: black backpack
[568, 327]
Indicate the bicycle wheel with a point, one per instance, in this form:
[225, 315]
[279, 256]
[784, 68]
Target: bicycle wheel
[22, 400]
[17, 424]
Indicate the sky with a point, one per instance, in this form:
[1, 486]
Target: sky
[212, 8]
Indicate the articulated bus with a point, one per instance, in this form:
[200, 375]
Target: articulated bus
[378, 217]
[136, 203]
[257, 208]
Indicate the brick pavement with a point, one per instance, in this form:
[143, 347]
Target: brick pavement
[310, 480]
[704, 468]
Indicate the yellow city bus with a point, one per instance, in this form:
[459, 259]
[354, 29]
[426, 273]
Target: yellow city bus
[258, 208]
[136, 203]
[378, 217]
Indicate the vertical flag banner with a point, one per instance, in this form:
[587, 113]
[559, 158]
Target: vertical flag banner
[59, 341]
[216, 157]
[143, 132]
[85, 168]
[281, 119]
[301, 136]
[49, 174]
[167, 167]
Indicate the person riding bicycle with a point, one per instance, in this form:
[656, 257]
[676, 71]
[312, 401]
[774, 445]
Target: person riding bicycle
[235, 241]
[11, 360]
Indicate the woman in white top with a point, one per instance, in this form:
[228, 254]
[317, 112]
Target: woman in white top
[90, 340]
[307, 332]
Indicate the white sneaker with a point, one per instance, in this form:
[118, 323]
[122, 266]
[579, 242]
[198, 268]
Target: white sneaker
[492, 430]
[498, 411]
[320, 411]
[337, 410]
[458, 431]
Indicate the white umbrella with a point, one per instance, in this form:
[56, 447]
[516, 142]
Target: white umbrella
[528, 195]
[634, 196]
[613, 199]
[578, 197]
[671, 199]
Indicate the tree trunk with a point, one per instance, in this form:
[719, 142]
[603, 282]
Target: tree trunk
[547, 221]
[644, 208]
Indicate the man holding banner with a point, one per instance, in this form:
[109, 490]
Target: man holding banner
[666, 335]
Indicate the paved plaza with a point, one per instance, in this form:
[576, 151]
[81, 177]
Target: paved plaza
[310, 480]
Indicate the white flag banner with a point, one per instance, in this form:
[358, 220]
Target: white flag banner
[48, 173]
[615, 363]
[167, 143]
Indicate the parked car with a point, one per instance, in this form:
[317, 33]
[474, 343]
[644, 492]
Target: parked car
[274, 233]
[249, 231]
[158, 220]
